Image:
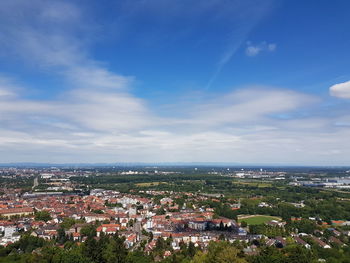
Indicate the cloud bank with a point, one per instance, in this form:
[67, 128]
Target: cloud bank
[95, 117]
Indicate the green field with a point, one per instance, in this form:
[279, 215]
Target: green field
[149, 184]
[258, 219]
[253, 184]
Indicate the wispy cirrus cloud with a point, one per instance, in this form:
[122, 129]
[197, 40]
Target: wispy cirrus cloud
[247, 19]
[94, 98]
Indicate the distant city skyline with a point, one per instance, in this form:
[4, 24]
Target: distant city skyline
[160, 81]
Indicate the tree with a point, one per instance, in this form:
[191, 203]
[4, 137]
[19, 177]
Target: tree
[29, 243]
[219, 252]
[100, 247]
[88, 230]
[73, 256]
[138, 257]
[191, 251]
[160, 211]
[200, 257]
[160, 244]
[68, 222]
[304, 226]
[270, 255]
[89, 248]
[61, 236]
[244, 224]
[150, 237]
[221, 227]
[298, 254]
[222, 237]
[97, 211]
[42, 216]
[115, 251]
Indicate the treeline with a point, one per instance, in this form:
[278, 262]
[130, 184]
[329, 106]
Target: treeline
[25, 183]
[111, 249]
[300, 226]
[107, 249]
[267, 230]
[142, 178]
[325, 209]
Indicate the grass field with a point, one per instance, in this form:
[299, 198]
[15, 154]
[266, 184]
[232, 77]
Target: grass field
[149, 184]
[255, 184]
[257, 219]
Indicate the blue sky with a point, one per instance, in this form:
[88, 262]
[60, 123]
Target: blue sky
[250, 82]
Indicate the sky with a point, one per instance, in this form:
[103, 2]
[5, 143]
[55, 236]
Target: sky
[227, 81]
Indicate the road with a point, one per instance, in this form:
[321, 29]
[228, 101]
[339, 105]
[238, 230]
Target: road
[36, 182]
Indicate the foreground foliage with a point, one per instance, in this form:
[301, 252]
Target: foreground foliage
[111, 249]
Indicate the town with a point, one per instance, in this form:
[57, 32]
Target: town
[159, 212]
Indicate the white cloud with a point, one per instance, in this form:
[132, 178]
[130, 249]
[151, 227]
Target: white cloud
[255, 103]
[90, 126]
[340, 90]
[97, 119]
[60, 12]
[253, 50]
[95, 98]
[7, 87]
